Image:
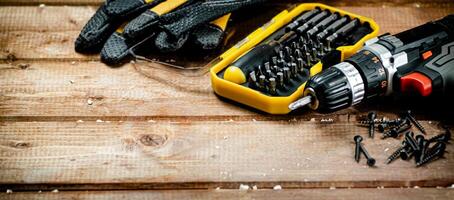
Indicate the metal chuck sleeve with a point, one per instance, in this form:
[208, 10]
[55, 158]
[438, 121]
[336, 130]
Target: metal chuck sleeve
[372, 72]
[330, 90]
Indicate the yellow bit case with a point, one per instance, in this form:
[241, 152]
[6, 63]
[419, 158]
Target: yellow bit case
[256, 99]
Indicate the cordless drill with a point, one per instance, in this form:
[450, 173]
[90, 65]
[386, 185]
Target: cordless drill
[416, 61]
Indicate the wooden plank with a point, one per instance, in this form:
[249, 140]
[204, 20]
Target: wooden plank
[44, 19]
[44, 91]
[134, 92]
[48, 33]
[169, 154]
[64, 89]
[307, 194]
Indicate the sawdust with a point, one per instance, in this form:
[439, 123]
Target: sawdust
[244, 187]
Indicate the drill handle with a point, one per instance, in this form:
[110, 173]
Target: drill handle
[433, 76]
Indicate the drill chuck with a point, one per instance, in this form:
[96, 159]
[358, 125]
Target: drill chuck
[337, 87]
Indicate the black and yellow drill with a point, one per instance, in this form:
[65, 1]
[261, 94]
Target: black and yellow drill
[416, 61]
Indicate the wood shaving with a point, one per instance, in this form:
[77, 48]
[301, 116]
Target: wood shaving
[254, 187]
[99, 121]
[80, 121]
[55, 191]
[244, 187]
[9, 191]
[277, 187]
[90, 102]
[327, 121]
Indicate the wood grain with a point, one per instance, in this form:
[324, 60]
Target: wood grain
[167, 154]
[48, 33]
[154, 127]
[64, 89]
[307, 194]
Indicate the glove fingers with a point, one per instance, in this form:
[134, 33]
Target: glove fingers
[166, 43]
[120, 8]
[187, 18]
[106, 20]
[209, 36]
[95, 32]
[145, 22]
[115, 50]
[142, 24]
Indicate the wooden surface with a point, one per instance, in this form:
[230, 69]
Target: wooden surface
[307, 194]
[163, 131]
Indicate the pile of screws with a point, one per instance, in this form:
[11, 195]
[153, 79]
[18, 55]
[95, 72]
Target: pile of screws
[391, 128]
[423, 150]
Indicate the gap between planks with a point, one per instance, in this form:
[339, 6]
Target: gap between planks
[307, 194]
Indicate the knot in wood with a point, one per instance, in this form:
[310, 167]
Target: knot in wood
[153, 139]
[20, 145]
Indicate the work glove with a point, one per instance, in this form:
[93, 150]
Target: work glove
[119, 26]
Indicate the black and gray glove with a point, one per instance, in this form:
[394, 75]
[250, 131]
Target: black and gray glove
[118, 26]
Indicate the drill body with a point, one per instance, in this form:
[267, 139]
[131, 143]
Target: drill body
[417, 61]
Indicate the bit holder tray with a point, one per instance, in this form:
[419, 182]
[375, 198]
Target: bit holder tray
[269, 68]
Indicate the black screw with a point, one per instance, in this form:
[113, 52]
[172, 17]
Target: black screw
[396, 154]
[422, 144]
[411, 141]
[357, 140]
[382, 127]
[434, 153]
[394, 132]
[415, 122]
[370, 160]
[371, 116]
[406, 153]
[445, 137]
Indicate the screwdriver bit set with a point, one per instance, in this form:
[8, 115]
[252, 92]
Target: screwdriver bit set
[269, 68]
